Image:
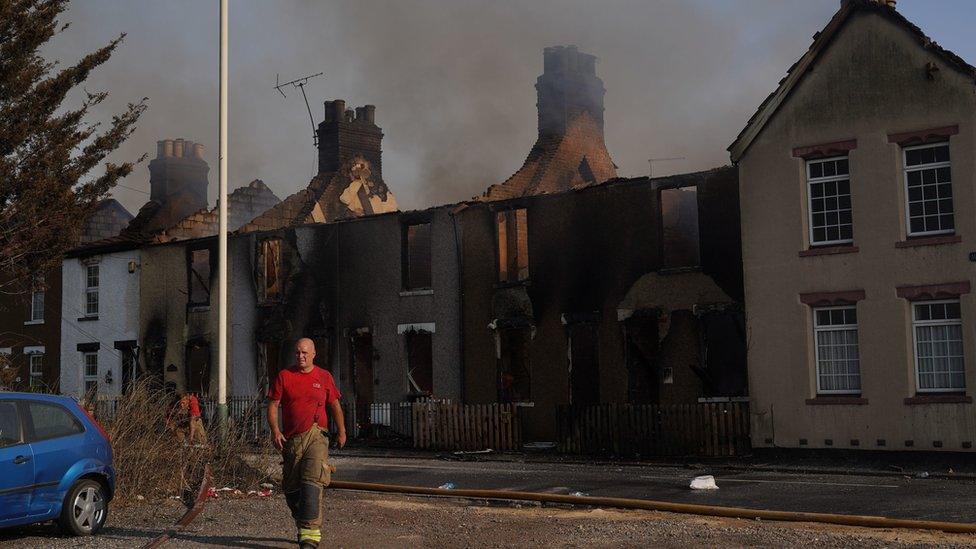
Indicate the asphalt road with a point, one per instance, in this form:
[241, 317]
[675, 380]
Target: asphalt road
[889, 496]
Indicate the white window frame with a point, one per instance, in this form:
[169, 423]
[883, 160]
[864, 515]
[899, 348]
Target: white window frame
[86, 377]
[940, 322]
[36, 377]
[37, 314]
[828, 179]
[816, 349]
[89, 289]
[906, 169]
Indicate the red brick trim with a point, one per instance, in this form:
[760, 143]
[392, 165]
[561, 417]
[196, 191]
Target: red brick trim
[921, 137]
[929, 241]
[933, 291]
[827, 299]
[938, 399]
[829, 250]
[837, 400]
[836, 148]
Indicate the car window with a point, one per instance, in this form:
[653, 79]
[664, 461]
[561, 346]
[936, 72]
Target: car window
[9, 424]
[51, 421]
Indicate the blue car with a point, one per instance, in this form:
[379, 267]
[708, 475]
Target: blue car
[55, 464]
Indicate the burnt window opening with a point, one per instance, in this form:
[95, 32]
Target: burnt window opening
[416, 257]
[199, 277]
[585, 172]
[512, 232]
[270, 269]
[514, 371]
[680, 236]
[420, 361]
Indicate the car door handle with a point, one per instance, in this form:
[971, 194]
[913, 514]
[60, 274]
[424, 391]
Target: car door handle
[21, 459]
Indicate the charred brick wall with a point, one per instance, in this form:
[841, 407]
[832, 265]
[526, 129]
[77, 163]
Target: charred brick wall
[586, 249]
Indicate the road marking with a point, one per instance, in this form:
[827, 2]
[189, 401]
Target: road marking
[773, 481]
[649, 477]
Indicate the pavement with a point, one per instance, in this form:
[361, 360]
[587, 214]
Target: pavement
[892, 495]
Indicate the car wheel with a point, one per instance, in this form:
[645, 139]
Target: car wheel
[85, 508]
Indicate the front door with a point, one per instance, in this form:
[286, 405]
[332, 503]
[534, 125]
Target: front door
[362, 372]
[584, 364]
[16, 464]
[198, 367]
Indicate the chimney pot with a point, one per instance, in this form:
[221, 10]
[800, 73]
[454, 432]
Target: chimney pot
[160, 148]
[178, 147]
[370, 111]
[338, 110]
[198, 150]
[360, 114]
[167, 147]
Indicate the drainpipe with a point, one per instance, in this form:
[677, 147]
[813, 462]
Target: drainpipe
[460, 301]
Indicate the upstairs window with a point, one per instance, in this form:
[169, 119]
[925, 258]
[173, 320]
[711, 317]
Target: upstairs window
[512, 238]
[829, 192]
[679, 223]
[91, 290]
[928, 181]
[416, 257]
[837, 354]
[270, 270]
[37, 300]
[939, 362]
[199, 266]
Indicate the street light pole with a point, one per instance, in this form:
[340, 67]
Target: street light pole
[222, 233]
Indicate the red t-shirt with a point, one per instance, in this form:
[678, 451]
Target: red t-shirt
[303, 398]
[194, 406]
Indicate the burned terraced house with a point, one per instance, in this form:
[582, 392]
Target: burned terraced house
[561, 285]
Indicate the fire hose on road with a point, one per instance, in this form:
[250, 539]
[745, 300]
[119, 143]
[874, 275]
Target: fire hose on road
[650, 505]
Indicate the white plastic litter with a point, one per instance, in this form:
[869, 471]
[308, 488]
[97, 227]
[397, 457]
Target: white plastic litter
[578, 494]
[705, 482]
[447, 486]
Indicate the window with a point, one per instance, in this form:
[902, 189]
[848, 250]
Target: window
[270, 286]
[939, 361]
[928, 180]
[37, 301]
[9, 424]
[416, 257]
[91, 290]
[91, 372]
[51, 421]
[829, 190]
[513, 245]
[679, 220]
[199, 264]
[36, 370]
[514, 371]
[837, 355]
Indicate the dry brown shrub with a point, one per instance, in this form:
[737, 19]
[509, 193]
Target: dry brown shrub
[152, 462]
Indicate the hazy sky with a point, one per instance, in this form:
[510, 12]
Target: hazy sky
[452, 80]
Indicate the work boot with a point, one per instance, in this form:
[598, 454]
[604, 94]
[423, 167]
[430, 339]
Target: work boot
[309, 538]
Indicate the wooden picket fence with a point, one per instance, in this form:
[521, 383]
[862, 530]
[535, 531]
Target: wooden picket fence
[447, 426]
[704, 429]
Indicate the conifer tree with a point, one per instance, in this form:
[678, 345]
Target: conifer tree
[50, 155]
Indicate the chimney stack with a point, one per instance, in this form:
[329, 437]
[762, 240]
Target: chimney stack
[567, 87]
[178, 176]
[344, 133]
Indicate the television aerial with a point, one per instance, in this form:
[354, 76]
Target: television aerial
[300, 84]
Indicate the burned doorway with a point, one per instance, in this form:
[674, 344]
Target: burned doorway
[418, 340]
[361, 364]
[584, 363]
[514, 368]
[269, 363]
[640, 352]
[198, 367]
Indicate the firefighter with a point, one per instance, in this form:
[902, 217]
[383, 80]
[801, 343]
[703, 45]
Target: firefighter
[306, 395]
